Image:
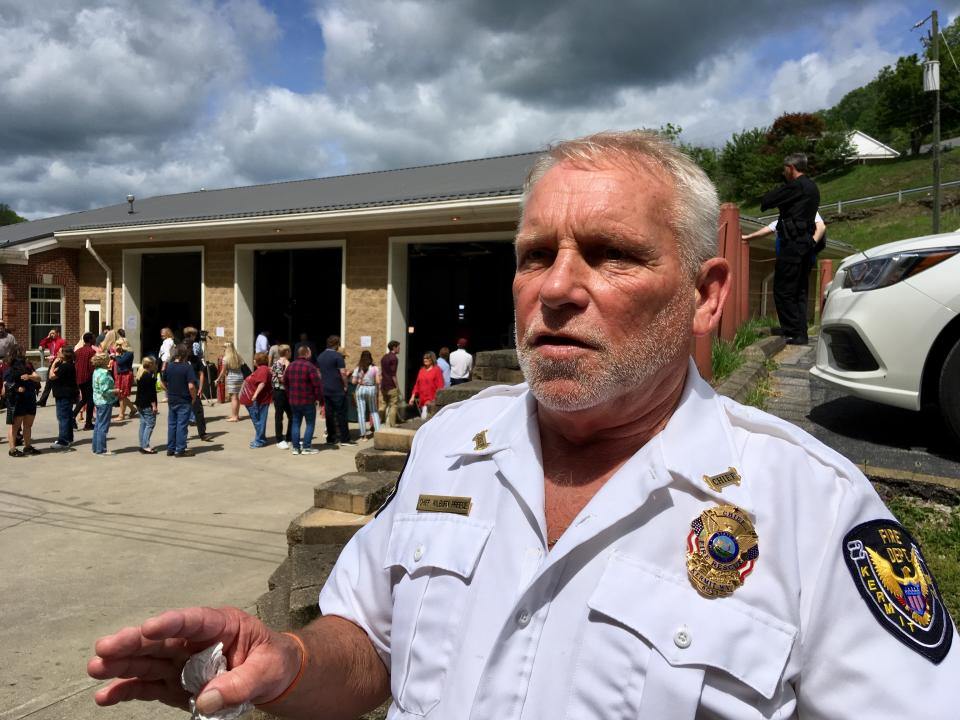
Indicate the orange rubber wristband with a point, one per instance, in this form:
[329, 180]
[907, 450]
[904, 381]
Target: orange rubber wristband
[299, 675]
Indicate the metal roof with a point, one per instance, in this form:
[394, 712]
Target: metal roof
[484, 178]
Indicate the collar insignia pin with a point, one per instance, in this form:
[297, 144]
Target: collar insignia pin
[721, 550]
[718, 482]
[480, 441]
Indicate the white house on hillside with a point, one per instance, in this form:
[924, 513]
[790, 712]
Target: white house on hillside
[867, 148]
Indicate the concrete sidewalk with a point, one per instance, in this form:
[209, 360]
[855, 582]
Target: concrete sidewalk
[89, 544]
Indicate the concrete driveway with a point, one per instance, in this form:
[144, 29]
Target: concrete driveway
[89, 544]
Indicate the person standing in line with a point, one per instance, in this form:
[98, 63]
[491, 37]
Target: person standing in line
[262, 343]
[180, 382]
[123, 376]
[7, 341]
[231, 374]
[166, 348]
[104, 394]
[366, 377]
[260, 398]
[20, 382]
[388, 383]
[461, 363]
[84, 371]
[429, 383]
[63, 375]
[147, 402]
[333, 373]
[104, 329]
[196, 406]
[109, 342]
[305, 340]
[443, 362]
[52, 344]
[281, 404]
[797, 201]
[302, 381]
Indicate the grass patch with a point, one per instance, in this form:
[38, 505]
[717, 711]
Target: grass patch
[937, 528]
[727, 356]
[759, 394]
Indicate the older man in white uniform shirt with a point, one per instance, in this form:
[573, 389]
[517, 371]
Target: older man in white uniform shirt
[612, 540]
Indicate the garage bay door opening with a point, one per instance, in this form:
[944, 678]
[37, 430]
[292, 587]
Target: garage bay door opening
[297, 291]
[170, 296]
[458, 289]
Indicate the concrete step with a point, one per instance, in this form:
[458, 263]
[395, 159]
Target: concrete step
[463, 391]
[318, 526]
[497, 358]
[413, 423]
[372, 460]
[281, 577]
[273, 608]
[310, 568]
[360, 493]
[398, 439]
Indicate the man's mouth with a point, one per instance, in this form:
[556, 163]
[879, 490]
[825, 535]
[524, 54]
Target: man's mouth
[547, 340]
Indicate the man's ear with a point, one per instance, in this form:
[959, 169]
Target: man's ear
[712, 287]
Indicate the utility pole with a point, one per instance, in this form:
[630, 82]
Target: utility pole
[935, 57]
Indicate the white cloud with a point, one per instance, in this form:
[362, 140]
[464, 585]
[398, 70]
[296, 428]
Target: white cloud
[102, 98]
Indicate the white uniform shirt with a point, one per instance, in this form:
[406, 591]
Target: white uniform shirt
[475, 619]
[461, 364]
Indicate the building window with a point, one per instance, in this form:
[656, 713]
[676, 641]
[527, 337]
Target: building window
[46, 312]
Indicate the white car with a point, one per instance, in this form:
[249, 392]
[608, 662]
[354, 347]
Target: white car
[891, 326]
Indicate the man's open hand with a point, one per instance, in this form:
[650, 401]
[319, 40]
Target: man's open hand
[147, 660]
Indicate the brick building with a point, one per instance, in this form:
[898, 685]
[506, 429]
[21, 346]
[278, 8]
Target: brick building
[422, 255]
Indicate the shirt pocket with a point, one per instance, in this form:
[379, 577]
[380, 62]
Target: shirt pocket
[664, 637]
[433, 557]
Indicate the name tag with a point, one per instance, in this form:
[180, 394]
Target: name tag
[444, 503]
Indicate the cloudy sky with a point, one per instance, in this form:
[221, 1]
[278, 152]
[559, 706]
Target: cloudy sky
[100, 98]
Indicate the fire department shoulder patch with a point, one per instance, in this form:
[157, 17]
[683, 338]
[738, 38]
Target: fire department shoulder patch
[893, 579]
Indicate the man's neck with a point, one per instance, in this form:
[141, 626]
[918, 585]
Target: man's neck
[620, 426]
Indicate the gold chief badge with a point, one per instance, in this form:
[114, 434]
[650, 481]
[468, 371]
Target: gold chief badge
[718, 482]
[721, 550]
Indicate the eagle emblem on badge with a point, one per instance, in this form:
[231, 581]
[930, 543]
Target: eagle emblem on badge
[889, 571]
[722, 549]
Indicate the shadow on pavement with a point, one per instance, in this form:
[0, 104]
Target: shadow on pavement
[876, 424]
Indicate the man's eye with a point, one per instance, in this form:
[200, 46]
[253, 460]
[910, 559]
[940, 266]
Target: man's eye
[613, 254]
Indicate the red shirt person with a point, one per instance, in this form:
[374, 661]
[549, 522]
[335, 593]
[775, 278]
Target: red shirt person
[52, 343]
[429, 382]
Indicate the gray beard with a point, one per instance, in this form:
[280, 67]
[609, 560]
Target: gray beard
[610, 371]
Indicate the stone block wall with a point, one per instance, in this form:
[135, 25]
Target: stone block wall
[366, 296]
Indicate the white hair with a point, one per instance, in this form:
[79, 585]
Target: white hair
[695, 215]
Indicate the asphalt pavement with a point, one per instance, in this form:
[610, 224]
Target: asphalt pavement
[90, 544]
[884, 441]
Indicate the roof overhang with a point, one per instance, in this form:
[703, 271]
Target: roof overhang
[445, 213]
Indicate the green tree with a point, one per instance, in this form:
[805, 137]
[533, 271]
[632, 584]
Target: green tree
[8, 216]
[904, 109]
[748, 167]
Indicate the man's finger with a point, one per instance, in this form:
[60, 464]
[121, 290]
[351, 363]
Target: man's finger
[254, 681]
[144, 668]
[194, 624]
[124, 690]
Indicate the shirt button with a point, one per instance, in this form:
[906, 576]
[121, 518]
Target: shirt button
[523, 618]
[418, 553]
[682, 638]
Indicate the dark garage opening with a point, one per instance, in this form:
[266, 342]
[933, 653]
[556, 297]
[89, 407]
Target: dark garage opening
[458, 290]
[297, 291]
[169, 296]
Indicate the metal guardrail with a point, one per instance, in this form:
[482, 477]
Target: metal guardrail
[837, 207]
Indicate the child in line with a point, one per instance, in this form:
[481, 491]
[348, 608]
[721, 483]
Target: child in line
[147, 402]
[104, 394]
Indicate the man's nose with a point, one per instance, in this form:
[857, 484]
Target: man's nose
[565, 282]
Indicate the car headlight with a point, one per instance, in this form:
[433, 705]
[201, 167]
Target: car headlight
[886, 270]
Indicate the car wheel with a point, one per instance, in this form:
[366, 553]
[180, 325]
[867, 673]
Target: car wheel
[949, 394]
